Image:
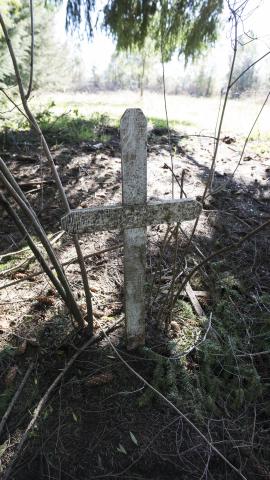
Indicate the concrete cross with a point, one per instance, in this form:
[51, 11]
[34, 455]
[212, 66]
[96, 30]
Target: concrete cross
[132, 217]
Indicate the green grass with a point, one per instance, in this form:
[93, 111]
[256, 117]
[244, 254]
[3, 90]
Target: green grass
[76, 118]
[60, 125]
[190, 112]
[72, 127]
[162, 123]
[66, 127]
[8, 264]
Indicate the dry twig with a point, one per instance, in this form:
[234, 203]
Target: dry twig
[15, 398]
[68, 262]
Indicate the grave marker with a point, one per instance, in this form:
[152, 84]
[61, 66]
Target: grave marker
[132, 217]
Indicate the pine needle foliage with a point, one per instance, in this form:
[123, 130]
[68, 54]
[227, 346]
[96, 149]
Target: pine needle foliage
[174, 25]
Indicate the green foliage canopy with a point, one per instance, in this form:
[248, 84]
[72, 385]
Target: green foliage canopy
[185, 26]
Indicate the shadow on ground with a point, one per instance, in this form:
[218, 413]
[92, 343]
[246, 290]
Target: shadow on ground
[101, 421]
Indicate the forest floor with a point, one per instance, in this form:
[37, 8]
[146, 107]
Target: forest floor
[101, 421]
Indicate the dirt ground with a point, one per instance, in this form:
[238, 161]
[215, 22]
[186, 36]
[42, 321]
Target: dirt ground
[99, 423]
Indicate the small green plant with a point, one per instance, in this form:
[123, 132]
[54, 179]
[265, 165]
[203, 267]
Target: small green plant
[66, 127]
[162, 123]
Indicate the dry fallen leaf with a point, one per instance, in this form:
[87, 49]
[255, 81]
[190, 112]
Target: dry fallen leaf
[10, 376]
[94, 289]
[121, 449]
[133, 438]
[175, 327]
[100, 379]
[18, 275]
[45, 300]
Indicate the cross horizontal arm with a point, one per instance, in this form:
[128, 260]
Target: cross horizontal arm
[129, 216]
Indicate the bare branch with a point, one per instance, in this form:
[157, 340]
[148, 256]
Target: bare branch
[33, 247]
[32, 50]
[68, 262]
[44, 240]
[33, 122]
[15, 398]
[248, 68]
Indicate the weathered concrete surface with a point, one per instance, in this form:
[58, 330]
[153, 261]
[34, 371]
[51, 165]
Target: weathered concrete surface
[128, 216]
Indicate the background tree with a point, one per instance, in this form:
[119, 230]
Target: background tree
[247, 54]
[17, 19]
[47, 52]
[132, 70]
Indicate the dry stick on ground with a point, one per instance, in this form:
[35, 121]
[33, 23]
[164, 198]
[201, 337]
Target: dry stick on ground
[43, 401]
[13, 254]
[54, 237]
[46, 244]
[34, 124]
[25, 263]
[15, 398]
[68, 262]
[174, 407]
[29, 90]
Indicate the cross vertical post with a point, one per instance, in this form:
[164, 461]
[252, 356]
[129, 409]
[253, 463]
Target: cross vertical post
[133, 134]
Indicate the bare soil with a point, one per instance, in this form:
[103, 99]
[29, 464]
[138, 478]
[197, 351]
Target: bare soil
[95, 425]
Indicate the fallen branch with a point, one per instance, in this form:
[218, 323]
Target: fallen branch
[14, 254]
[68, 262]
[254, 354]
[53, 238]
[42, 402]
[195, 302]
[15, 398]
